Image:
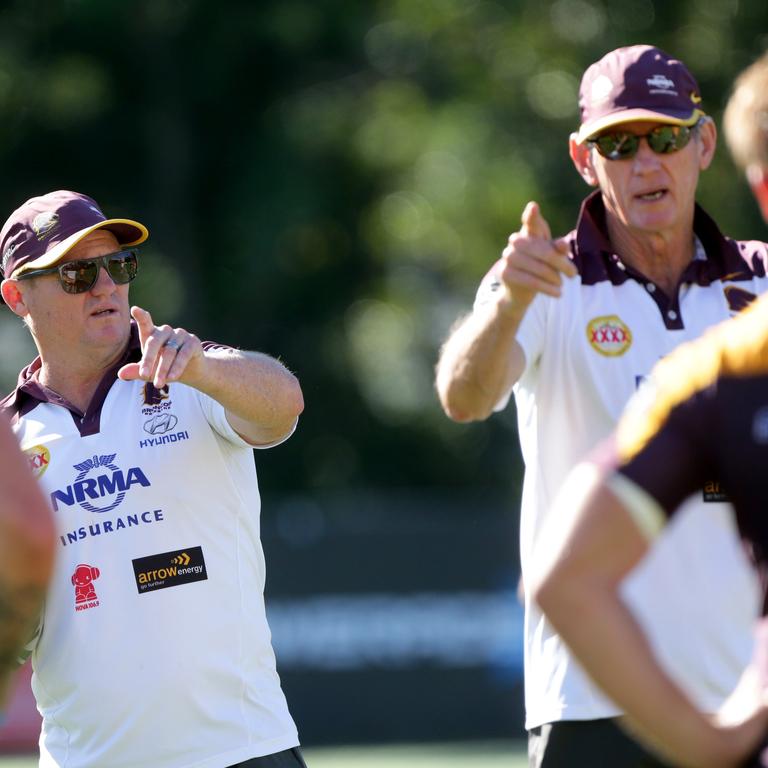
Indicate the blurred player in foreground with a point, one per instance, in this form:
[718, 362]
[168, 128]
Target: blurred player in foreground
[153, 648]
[572, 326]
[701, 420]
[26, 553]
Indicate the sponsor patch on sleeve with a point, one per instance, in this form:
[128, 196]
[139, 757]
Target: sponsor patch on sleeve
[169, 569]
[713, 491]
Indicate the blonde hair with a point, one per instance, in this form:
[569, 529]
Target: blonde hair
[746, 116]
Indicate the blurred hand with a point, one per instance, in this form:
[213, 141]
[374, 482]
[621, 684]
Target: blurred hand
[167, 353]
[533, 262]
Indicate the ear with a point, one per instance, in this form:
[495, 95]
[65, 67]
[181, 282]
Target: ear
[13, 297]
[581, 155]
[707, 142]
[757, 176]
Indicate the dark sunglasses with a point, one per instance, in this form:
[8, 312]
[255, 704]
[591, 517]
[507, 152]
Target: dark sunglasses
[81, 275]
[663, 140]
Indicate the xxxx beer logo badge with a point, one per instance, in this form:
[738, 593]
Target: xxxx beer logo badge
[609, 336]
[39, 458]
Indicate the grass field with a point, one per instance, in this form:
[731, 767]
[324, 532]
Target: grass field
[462, 755]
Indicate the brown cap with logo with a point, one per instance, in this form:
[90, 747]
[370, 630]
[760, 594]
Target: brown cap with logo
[44, 229]
[637, 83]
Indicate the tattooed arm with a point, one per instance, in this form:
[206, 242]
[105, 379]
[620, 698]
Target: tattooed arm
[26, 553]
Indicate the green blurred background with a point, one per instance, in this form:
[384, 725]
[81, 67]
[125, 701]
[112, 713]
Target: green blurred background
[327, 181]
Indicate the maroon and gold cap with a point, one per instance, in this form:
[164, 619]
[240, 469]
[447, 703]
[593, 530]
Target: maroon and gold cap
[637, 83]
[44, 229]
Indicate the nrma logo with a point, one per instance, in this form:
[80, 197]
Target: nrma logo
[109, 487]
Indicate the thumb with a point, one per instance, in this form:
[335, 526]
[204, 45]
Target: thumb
[129, 372]
[144, 322]
[534, 224]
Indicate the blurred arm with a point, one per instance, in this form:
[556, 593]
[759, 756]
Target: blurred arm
[26, 552]
[577, 588]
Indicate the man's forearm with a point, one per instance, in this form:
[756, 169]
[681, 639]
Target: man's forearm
[622, 663]
[479, 363]
[262, 397]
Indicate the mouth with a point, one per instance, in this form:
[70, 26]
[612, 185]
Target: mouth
[104, 312]
[652, 196]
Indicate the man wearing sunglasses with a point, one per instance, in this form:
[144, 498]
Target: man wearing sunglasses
[153, 647]
[572, 326]
[702, 415]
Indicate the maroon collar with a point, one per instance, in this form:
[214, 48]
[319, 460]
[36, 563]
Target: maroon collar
[596, 260]
[29, 391]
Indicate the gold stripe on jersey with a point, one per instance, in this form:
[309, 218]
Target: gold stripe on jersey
[736, 347]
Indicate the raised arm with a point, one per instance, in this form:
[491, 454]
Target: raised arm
[26, 553]
[262, 398]
[481, 359]
[580, 567]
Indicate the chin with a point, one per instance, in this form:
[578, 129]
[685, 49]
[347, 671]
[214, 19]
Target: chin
[116, 332]
[654, 223]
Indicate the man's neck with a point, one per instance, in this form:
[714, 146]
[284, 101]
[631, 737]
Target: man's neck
[76, 381]
[660, 256]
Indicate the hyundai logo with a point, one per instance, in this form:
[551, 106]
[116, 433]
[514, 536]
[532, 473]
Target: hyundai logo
[160, 424]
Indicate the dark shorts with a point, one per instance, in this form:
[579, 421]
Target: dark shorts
[290, 758]
[594, 743]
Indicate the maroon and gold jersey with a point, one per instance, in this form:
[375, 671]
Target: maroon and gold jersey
[700, 427]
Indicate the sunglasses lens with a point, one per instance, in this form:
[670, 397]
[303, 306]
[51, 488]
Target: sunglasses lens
[663, 140]
[122, 267]
[78, 276]
[668, 138]
[617, 146]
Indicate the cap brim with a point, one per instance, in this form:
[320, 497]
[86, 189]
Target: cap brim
[633, 115]
[127, 231]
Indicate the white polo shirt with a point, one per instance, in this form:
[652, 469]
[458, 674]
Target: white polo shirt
[586, 352]
[154, 648]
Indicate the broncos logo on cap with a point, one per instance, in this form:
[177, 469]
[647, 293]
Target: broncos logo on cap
[44, 223]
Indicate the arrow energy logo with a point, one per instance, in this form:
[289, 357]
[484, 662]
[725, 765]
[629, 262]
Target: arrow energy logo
[169, 569]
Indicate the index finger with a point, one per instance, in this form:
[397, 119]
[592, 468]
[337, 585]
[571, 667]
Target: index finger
[533, 222]
[144, 322]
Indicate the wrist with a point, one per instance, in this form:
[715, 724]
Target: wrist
[506, 308]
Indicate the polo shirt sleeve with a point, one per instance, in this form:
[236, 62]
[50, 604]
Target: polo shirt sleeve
[216, 416]
[655, 474]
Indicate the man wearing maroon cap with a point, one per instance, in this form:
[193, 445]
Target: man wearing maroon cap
[703, 415]
[153, 647]
[572, 326]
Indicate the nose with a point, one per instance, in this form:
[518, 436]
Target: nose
[645, 156]
[104, 283]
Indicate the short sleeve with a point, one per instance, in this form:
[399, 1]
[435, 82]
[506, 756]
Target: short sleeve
[216, 416]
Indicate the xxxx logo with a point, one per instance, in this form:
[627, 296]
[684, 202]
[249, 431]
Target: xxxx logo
[609, 336]
[39, 458]
[182, 559]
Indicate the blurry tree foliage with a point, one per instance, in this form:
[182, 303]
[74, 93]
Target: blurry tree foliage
[328, 180]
